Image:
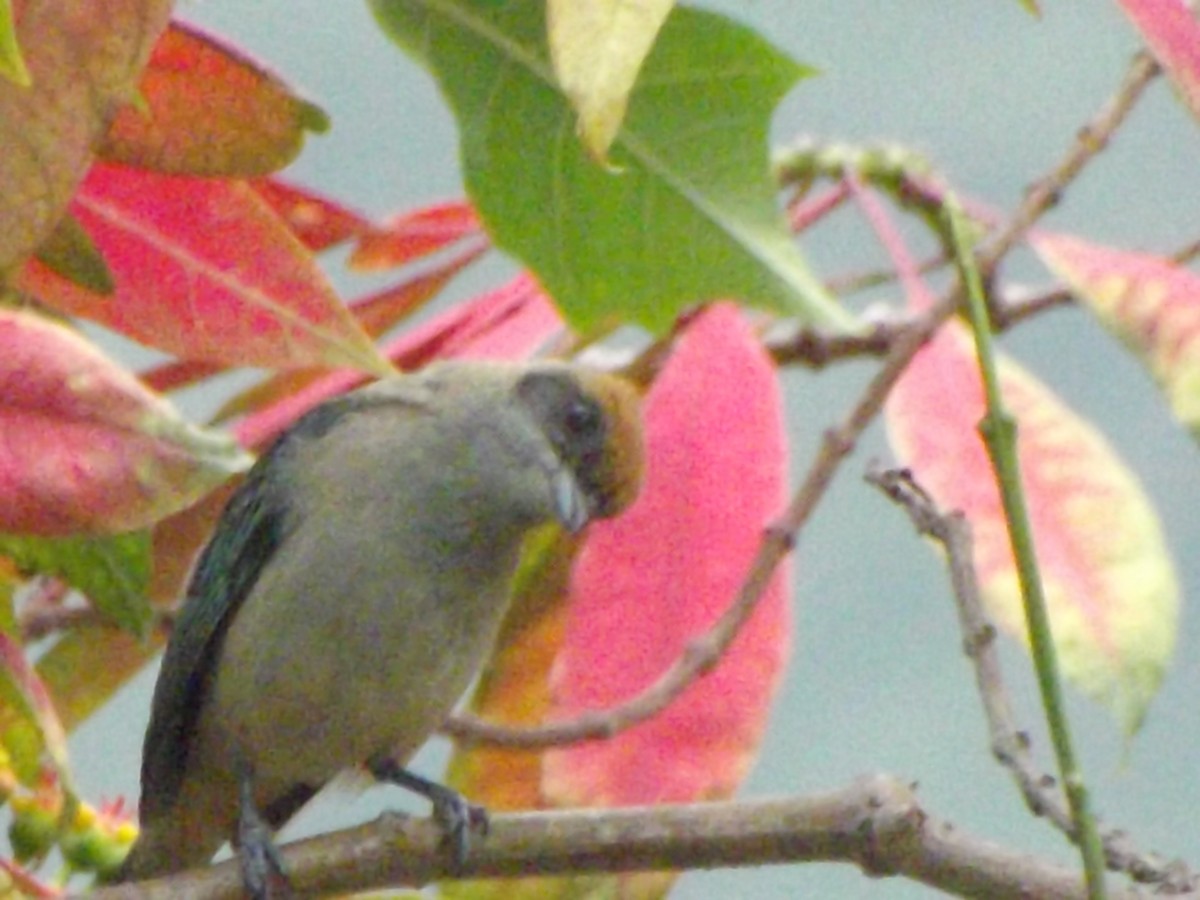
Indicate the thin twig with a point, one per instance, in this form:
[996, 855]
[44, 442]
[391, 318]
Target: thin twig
[804, 212]
[40, 623]
[1010, 743]
[818, 349]
[1092, 138]
[851, 283]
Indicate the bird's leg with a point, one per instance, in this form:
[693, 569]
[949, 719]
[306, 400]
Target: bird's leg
[456, 816]
[261, 864]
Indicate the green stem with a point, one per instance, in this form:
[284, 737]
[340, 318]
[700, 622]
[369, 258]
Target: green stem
[999, 432]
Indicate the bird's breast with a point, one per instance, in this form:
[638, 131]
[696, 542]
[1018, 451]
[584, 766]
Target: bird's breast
[337, 662]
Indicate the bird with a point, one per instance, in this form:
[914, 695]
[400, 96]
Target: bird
[354, 585]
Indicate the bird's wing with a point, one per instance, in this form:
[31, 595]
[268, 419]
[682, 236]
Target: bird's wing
[253, 526]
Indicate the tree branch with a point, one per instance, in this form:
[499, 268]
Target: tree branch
[1092, 138]
[876, 824]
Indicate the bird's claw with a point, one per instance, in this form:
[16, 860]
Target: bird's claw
[457, 818]
[451, 810]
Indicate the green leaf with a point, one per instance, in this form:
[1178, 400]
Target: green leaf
[685, 213]
[37, 726]
[88, 665]
[69, 252]
[112, 572]
[12, 65]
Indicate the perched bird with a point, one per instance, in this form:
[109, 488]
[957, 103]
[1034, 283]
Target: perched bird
[353, 587]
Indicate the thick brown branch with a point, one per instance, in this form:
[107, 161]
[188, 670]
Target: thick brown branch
[876, 824]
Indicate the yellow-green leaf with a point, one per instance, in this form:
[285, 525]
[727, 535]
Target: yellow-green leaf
[598, 47]
[12, 65]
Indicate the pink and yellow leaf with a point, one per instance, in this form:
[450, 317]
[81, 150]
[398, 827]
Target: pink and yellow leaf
[83, 63]
[1151, 303]
[36, 709]
[1109, 581]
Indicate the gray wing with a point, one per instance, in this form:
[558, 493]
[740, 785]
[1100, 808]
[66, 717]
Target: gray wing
[254, 524]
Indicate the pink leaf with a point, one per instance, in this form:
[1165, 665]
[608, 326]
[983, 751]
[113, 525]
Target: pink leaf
[650, 581]
[317, 221]
[84, 446]
[415, 234]
[1173, 36]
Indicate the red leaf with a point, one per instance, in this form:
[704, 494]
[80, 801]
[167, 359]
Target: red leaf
[382, 310]
[415, 234]
[650, 581]
[84, 446]
[204, 270]
[508, 323]
[316, 220]
[1173, 36]
[209, 109]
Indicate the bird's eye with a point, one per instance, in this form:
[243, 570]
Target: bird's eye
[583, 418]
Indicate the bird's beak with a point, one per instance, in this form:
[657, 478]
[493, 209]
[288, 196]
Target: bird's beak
[570, 504]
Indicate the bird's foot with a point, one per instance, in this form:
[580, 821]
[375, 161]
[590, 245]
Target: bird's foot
[456, 816]
[259, 859]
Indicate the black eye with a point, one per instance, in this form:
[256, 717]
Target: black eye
[583, 418]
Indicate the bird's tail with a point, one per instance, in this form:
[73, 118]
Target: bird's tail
[170, 844]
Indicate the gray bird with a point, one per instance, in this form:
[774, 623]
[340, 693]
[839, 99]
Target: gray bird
[353, 587]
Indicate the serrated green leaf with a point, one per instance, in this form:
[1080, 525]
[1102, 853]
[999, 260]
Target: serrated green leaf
[685, 213]
[113, 572]
[12, 64]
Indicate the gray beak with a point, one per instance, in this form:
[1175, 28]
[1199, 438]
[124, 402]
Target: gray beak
[571, 506]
